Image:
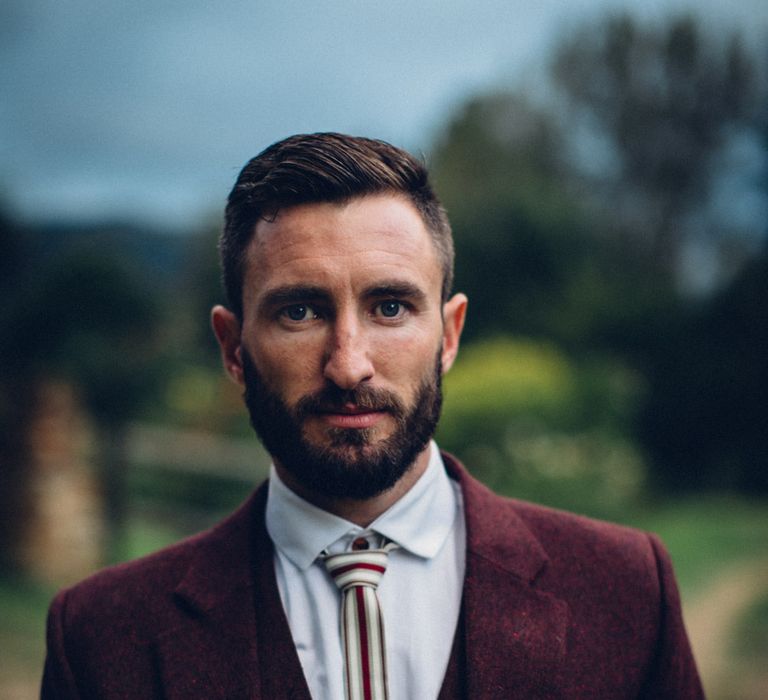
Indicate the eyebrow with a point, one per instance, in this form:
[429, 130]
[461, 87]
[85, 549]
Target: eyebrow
[396, 289]
[293, 294]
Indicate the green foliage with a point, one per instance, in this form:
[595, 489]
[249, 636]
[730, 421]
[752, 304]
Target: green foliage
[530, 422]
[187, 490]
[706, 418]
[663, 102]
[519, 236]
[706, 533]
[85, 318]
[572, 223]
[751, 634]
[201, 397]
[503, 379]
[200, 282]
[500, 148]
[80, 313]
[23, 606]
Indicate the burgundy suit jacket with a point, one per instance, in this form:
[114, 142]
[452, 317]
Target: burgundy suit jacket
[554, 606]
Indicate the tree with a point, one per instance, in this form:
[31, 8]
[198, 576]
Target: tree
[521, 239]
[16, 403]
[665, 103]
[574, 219]
[670, 104]
[83, 317]
[705, 422]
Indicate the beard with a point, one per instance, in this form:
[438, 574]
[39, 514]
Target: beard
[351, 463]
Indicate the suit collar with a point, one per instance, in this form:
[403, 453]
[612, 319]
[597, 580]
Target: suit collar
[514, 634]
[231, 617]
[494, 530]
[221, 564]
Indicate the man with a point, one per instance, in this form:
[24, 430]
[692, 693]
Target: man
[338, 262]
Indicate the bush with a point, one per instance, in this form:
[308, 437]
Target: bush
[531, 422]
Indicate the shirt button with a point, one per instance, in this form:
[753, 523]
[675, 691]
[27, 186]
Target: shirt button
[360, 543]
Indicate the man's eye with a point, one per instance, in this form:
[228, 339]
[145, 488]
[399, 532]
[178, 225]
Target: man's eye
[390, 309]
[299, 312]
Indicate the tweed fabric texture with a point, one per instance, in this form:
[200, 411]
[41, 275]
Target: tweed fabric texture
[555, 606]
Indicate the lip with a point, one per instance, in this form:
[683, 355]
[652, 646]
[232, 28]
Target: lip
[356, 418]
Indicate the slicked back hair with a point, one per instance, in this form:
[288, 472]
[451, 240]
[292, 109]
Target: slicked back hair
[324, 167]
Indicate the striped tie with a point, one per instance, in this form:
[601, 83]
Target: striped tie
[357, 574]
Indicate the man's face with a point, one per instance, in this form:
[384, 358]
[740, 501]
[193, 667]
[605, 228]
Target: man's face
[343, 342]
[348, 464]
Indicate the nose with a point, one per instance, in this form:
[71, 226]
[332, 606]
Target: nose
[348, 361]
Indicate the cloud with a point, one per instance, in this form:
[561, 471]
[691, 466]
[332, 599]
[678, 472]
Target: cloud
[109, 102]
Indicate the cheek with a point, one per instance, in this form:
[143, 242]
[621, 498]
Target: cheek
[291, 369]
[409, 360]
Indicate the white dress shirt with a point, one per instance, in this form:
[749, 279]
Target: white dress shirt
[420, 592]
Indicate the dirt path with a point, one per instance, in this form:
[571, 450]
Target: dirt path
[710, 617]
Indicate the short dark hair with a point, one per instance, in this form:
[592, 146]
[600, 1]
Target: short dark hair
[324, 167]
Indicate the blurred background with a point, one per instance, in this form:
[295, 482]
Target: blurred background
[605, 167]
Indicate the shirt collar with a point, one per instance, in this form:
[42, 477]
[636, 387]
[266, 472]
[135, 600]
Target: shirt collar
[419, 522]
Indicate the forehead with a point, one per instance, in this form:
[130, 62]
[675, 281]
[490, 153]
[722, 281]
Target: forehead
[349, 243]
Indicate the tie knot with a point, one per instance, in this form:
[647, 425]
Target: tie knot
[363, 568]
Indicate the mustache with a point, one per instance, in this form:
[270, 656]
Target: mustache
[331, 399]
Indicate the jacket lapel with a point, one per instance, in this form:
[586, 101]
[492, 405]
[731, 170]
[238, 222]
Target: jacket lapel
[210, 657]
[515, 635]
[232, 638]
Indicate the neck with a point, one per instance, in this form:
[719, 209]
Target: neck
[360, 512]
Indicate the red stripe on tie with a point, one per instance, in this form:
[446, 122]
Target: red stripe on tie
[363, 642]
[361, 565]
[347, 667]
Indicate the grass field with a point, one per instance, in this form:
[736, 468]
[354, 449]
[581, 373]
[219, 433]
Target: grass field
[705, 535]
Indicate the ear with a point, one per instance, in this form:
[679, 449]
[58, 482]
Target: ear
[454, 312]
[226, 327]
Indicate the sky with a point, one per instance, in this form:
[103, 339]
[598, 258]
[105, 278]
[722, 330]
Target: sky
[147, 110]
